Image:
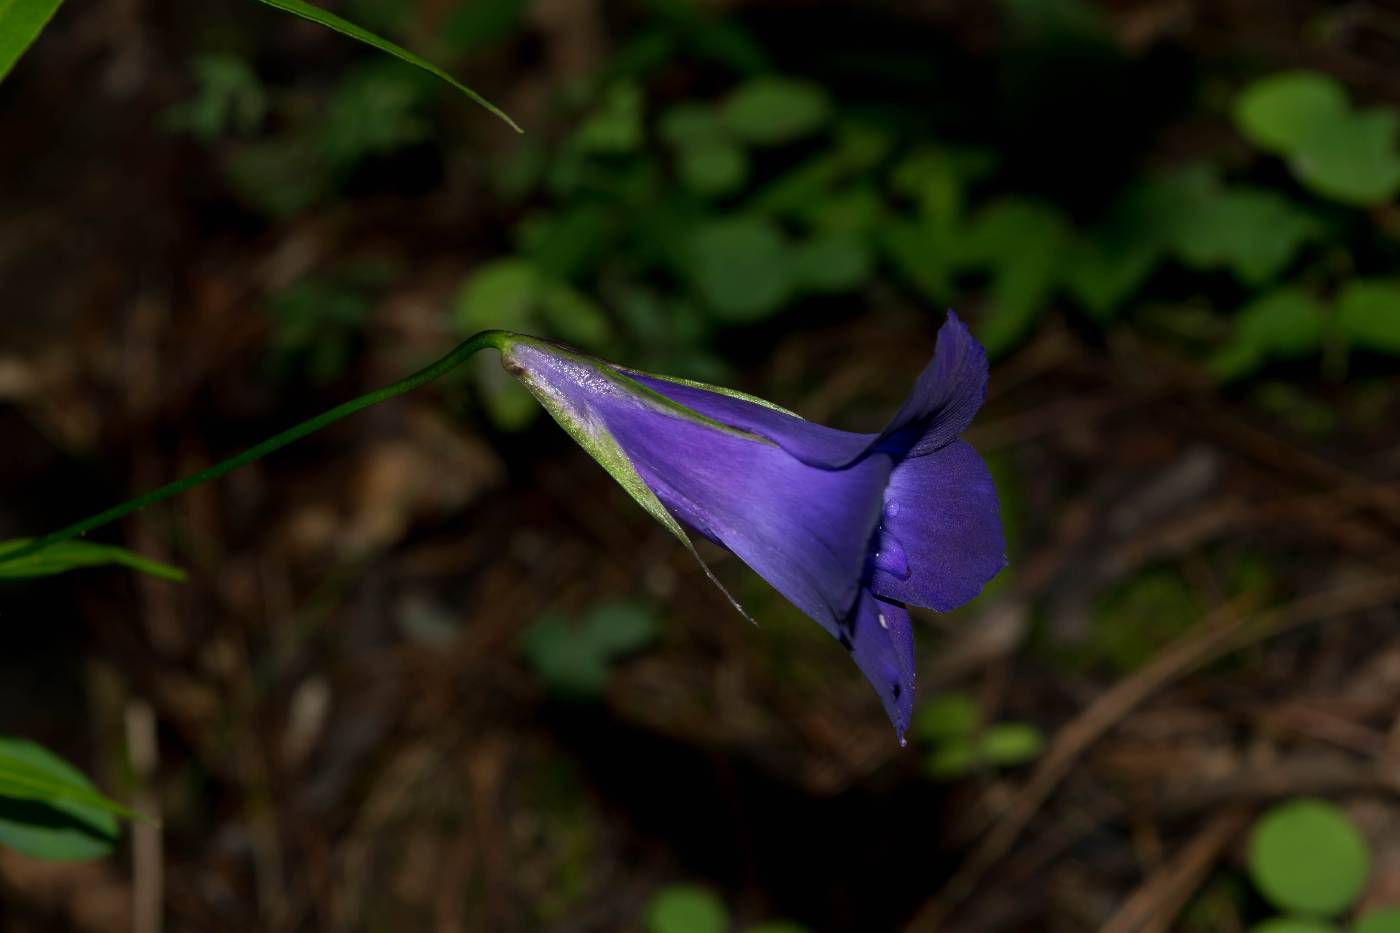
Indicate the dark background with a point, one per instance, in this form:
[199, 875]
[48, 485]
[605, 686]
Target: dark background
[216, 220]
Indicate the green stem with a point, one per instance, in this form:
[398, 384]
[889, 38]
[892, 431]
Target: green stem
[459, 354]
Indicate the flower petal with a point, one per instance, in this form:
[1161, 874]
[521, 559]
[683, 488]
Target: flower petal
[945, 397]
[881, 640]
[809, 442]
[804, 529]
[940, 539]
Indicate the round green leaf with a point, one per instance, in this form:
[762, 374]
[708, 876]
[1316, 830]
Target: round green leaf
[499, 294]
[1010, 743]
[1351, 158]
[1385, 920]
[1369, 314]
[43, 808]
[684, 908]
[742, 267]
[690, 125]
[835, 262]
[772, 111]
[1307, 856]
[713, 168]
[1283, 112]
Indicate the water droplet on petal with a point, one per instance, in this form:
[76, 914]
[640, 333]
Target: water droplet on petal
[903, 742]
[891, 509]
[890, 557]
[884, 623]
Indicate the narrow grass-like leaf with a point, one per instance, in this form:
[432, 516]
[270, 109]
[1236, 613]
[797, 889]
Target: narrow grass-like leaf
[325, 18]
[21, 21]
[70, 555]
[48, 809]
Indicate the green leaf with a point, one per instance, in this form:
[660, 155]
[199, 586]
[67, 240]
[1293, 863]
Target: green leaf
[71, 555]
[1307, 856]
[573, 657]
[499, 294]
[1385, 920]
[1008, 744]
[1340, 153]
[742, 267]
[685, 908]
[48, 809]
[833, 262]
[1023, 244]
[21, 21]
[1284, 324]
[952, 716]
[713, 168]
[1283, 112]
[1352, 159]
[1368, 312]
[328, 19]
[952, 758]
[615, 126]
[691, 125]
[772, 111]
[1253, 232]
[778, 926]
[230, 100]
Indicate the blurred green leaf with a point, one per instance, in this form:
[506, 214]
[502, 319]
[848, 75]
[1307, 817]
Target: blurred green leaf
[833, 262]
[1008, 744]
[953, 715]
[21, 21]
[1385, 920]
[375, 109]
[952, 758]
[771, 111]
[328, 19]
[713, 168]
[1253, 232]
[230, 99]
[1284, 112]
[686, 908]
[778, 926]
[1340, 153]
[1368, 313]
[498, 294]
[690, 124]
[318, 321]
[615, 125]
[279, 177]
[742, 267]
[573, 657]
[1287, 323]
[1022, 244]
[1307, 856]
[72, 555]
[48, 809]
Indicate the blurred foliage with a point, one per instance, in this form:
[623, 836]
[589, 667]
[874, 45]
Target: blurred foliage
[72, 555]
[959, 744]
[688, 908]
[1308, 859]
[48, 809]
[573, 656]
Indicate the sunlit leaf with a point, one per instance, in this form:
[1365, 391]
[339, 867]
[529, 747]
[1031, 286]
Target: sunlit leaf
[21, 21]
[328, 19]
[1368, 313]
[72, 555]
[683, 908]
[771, 111]
[1308, 856]
[48, 809]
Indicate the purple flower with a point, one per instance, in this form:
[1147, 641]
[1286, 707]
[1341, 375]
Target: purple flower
[850, 527]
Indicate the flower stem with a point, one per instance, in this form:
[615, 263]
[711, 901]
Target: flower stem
[458, 355]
